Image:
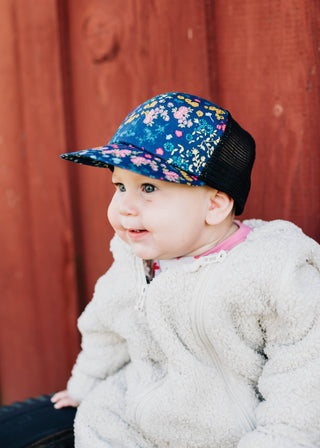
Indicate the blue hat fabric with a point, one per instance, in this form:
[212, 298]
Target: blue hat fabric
[171, 137]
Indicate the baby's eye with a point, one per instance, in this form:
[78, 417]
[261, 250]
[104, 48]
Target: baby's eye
[120, 187]
[148, 188]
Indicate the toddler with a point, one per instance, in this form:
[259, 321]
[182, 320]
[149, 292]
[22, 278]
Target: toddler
[205, 331]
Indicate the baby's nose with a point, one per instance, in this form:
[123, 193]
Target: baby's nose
[129, 205]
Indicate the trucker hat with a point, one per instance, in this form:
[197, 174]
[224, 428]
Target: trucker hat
[178, 137]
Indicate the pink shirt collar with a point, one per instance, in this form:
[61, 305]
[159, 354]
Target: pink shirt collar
[228, 244]
[236, 238]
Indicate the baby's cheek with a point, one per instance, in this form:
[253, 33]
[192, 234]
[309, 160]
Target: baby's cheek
[113, 215]
[115, 223]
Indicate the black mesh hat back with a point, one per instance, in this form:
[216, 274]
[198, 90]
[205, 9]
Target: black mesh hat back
[229, 167]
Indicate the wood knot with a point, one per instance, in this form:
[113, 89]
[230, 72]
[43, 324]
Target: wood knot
[102, 36]
[277, 110]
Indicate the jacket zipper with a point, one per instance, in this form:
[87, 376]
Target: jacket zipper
[199, 331]
[139, 306]
[142, 287]
[197, 319]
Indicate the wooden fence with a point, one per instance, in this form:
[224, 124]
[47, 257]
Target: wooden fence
[70, 70]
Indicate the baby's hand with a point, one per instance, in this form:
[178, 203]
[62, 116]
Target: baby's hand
[62, 399]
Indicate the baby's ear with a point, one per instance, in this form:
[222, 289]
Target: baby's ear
[221, 205]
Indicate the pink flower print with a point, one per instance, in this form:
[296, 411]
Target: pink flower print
[221, 126]
[153, 114]
[118, 152]
[139, 161]
[171, 176]
[149, 117]
[182, 115]
[159, 151]
[181, 112]
[149, 156]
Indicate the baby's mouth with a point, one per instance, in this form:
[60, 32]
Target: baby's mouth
[136, 232]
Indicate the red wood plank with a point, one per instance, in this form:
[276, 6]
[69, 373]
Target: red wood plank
[38, 287]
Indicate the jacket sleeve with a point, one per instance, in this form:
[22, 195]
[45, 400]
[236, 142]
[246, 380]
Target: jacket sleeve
[103, 351]
[289, 415]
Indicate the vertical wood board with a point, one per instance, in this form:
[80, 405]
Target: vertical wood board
[39, 295]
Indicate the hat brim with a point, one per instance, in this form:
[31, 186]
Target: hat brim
[133, 159]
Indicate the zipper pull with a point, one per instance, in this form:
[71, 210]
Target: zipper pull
[221, 256]
[217, 257]
[141, 299]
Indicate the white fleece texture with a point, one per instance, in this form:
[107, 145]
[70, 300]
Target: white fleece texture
[147, 379]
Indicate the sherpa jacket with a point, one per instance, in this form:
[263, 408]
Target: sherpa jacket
[220, 353]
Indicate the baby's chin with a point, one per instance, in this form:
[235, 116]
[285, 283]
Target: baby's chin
[143, 252]
[147, 251]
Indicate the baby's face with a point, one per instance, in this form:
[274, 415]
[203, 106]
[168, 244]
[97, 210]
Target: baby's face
[159, 220]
